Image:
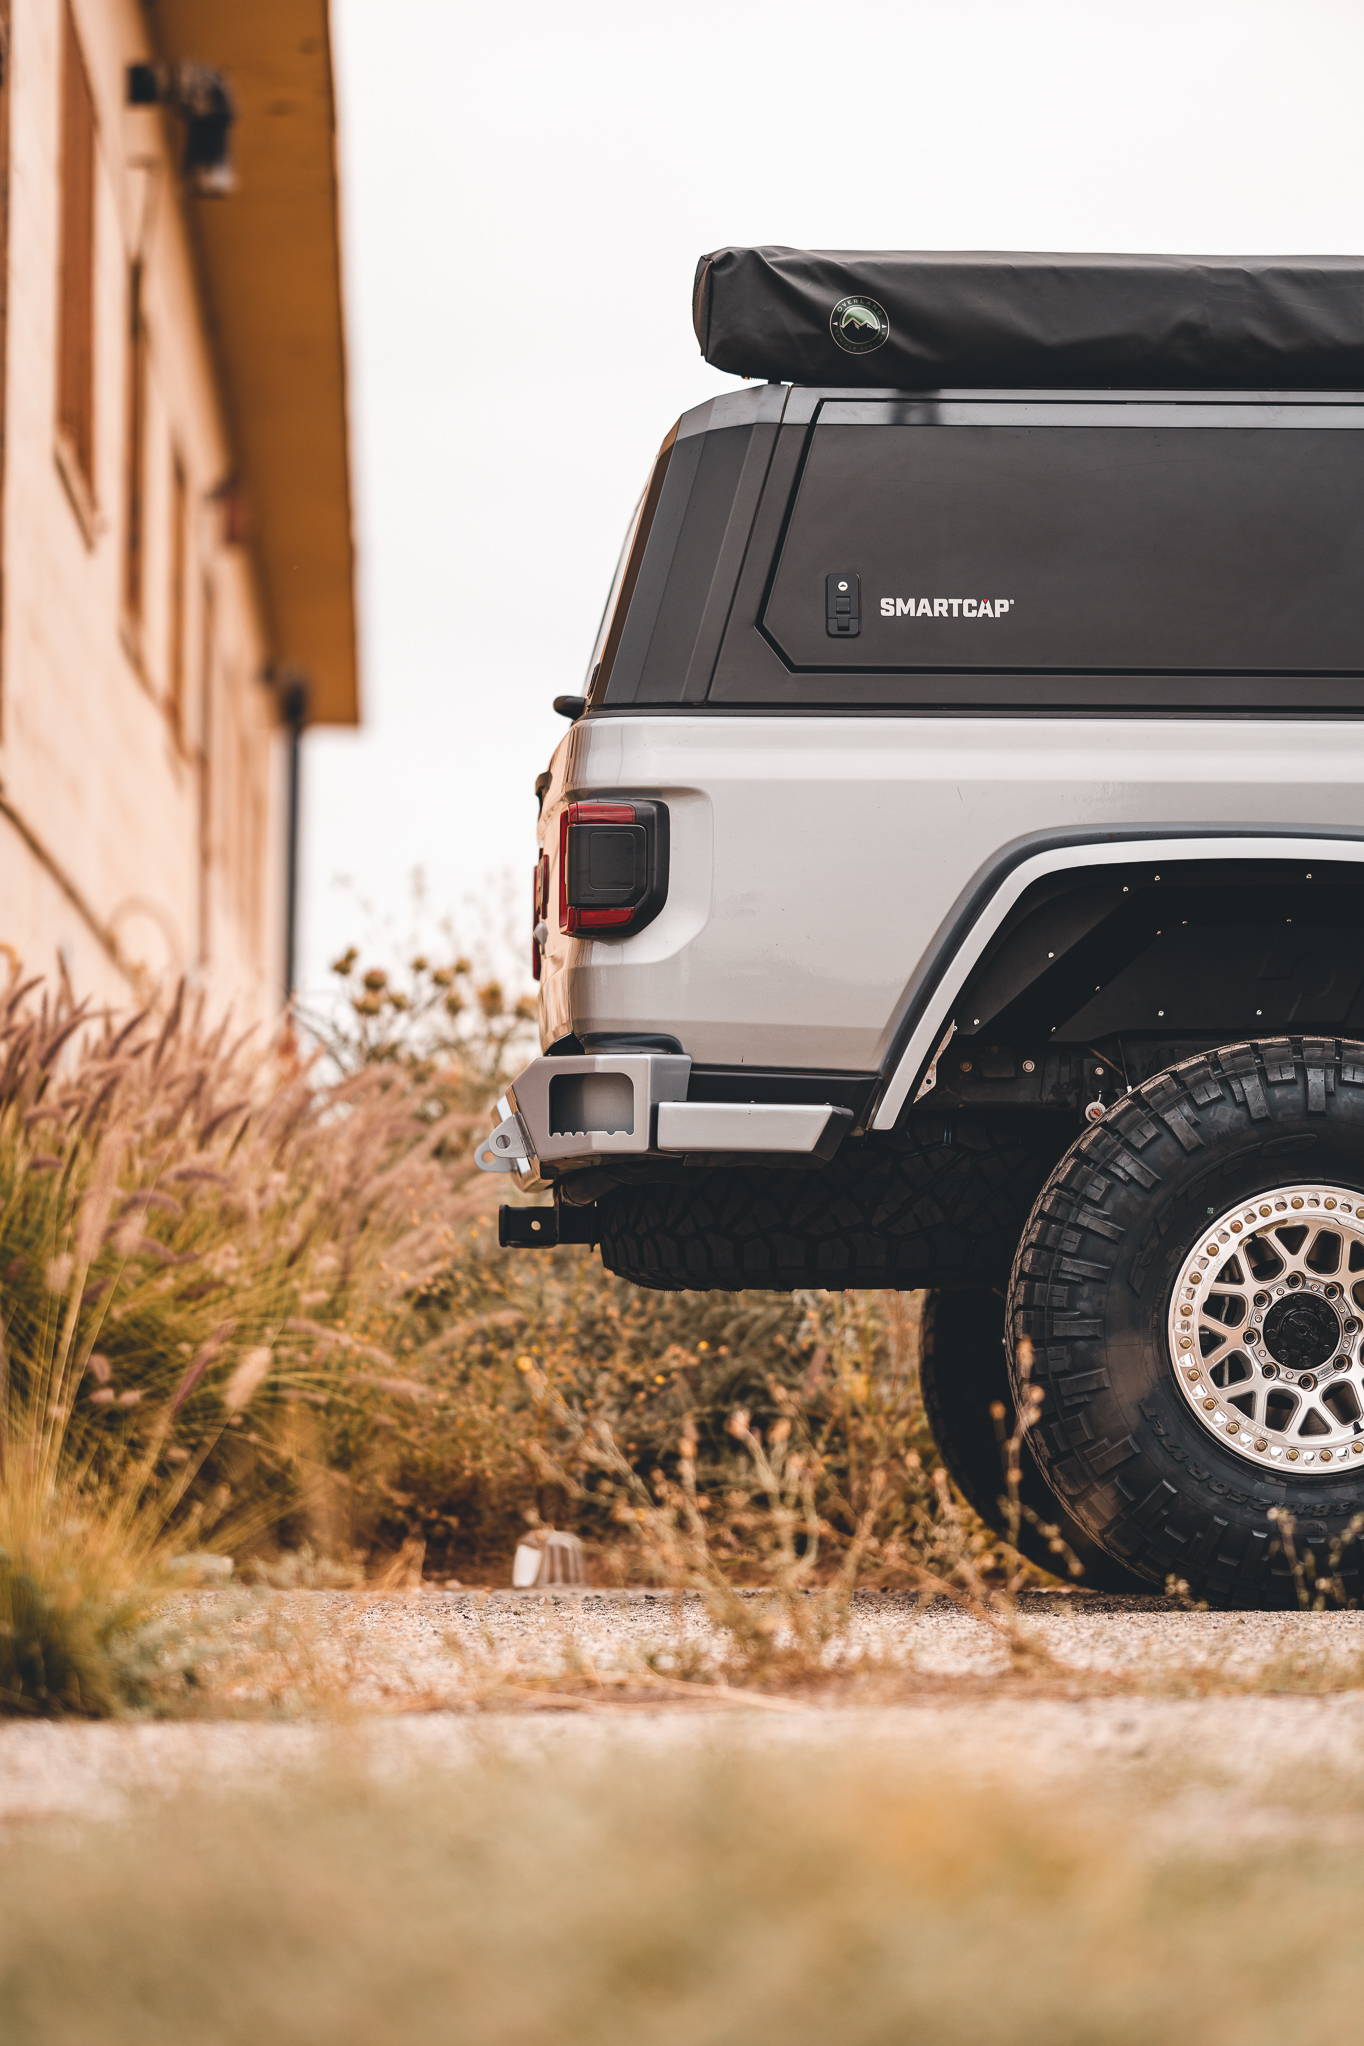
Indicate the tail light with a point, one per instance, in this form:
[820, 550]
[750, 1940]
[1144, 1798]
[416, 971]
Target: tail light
[613, 866]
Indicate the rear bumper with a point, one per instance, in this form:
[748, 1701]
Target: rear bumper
[564, 1113]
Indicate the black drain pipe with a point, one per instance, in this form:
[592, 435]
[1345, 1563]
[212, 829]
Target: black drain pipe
[294, 706]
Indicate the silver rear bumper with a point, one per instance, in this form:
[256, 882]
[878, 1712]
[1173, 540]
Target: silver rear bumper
[561, 1113]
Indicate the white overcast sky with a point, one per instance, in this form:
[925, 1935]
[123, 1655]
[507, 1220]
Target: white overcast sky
[526, 190]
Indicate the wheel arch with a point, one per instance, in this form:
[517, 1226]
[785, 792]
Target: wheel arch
[981, 912]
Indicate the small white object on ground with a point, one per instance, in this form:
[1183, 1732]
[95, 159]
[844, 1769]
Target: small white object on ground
[547, 1557]
[200, 1567]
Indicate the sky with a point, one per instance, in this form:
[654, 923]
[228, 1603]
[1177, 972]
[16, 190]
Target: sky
[526, 191]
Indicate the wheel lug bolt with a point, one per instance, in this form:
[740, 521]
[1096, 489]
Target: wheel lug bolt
[1295, 1279]
[1340, 1363]
[1333, 1291]
[1252, 1335]
[1260, 1300]
[1269, 1370]
[1308, 1379]
[1352, 1327]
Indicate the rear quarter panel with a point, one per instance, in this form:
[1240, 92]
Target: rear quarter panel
[814, 857]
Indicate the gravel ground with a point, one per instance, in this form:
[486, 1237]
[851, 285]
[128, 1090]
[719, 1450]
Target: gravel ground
[1214, 1702]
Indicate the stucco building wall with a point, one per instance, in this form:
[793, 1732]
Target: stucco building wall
[140, 838]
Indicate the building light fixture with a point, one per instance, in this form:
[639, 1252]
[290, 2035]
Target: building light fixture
[202, 99]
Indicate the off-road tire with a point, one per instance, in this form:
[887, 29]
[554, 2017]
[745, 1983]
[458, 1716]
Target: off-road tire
[940, 1204]
[963, 1375]
[1117, 1440]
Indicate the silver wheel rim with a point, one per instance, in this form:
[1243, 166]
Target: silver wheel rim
[1266, 1329]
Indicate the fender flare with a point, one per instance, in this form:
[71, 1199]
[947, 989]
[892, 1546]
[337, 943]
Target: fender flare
[974, 919]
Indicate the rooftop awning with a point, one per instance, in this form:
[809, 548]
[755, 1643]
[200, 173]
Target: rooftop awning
[934, 320]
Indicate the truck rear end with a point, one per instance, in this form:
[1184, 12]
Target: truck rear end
[954, 877]
[869, 655]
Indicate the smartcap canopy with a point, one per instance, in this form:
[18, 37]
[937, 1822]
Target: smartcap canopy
[916, 321]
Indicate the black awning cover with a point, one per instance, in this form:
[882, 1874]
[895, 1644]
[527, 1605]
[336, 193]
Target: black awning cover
[907, 321]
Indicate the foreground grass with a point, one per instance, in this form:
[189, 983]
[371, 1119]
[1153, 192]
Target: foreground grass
[686, 1897]
[83, 1627]
[88, 1563]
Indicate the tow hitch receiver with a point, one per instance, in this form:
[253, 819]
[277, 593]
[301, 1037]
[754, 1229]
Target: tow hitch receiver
[543, 1228]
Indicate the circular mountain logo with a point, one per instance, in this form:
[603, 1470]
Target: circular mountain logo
[858, 325]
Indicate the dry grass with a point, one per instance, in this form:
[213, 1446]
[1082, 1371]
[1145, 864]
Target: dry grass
[199, 1242]
[251, 1299]
[770, 1892]
[817, 1502]
[280, 1273]
[206, 1248]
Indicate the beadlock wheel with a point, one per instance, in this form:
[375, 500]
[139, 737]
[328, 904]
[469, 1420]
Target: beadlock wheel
[1266, 1328]
[1184, 1305]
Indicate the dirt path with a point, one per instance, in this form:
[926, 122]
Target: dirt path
[427, 1679]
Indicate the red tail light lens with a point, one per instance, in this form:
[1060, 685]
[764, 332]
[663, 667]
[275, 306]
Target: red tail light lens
[612, 865]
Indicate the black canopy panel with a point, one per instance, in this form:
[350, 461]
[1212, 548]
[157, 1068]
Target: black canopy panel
[925, 321]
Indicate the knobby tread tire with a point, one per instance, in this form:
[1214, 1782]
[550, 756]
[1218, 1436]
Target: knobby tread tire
[1089, 1297]
[963, 1374]
[942, 1206]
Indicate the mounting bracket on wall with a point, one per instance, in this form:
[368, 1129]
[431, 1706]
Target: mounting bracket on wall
[202, 99]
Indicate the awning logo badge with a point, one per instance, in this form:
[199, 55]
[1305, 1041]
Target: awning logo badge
[858, 325]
